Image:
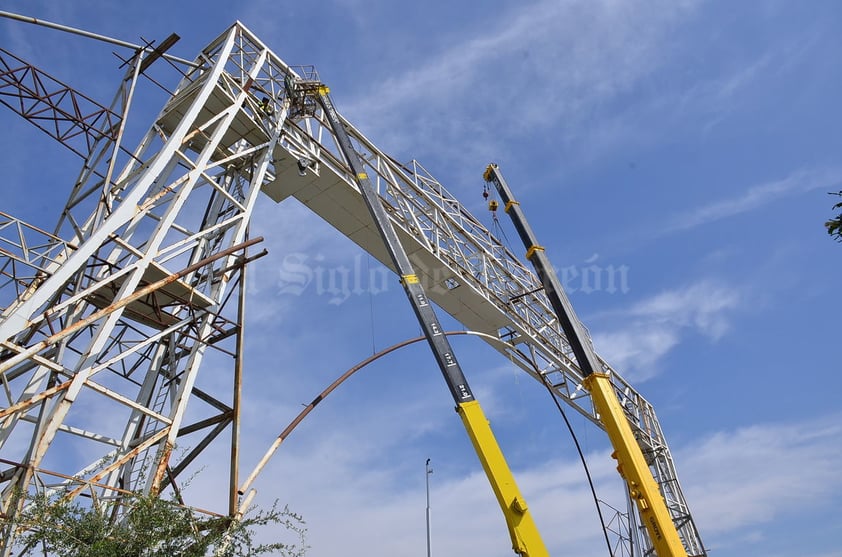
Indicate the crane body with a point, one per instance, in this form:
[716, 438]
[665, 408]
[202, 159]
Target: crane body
[526, 540]
[631, 463]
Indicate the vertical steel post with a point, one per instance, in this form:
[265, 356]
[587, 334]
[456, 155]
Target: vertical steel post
[427, 477]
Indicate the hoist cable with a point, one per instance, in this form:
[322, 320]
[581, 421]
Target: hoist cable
[582, 458]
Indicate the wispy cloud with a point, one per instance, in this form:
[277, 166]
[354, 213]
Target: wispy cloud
[519, 72]
[737, 476]
[700, 306]
[349, 490]
[347, 506]
[654, 326]
[758, 196]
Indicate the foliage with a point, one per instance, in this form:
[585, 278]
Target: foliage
[150, 527]
[834, 226]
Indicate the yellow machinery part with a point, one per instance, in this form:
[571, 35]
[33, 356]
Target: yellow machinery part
[526, 540]
[632, 466]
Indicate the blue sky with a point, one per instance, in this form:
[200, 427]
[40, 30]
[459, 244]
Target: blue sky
[687, 145]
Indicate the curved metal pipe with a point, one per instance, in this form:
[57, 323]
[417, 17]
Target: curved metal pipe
[322, 395]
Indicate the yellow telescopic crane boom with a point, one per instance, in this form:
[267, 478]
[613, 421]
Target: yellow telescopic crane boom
[526, 540]
[631, 463]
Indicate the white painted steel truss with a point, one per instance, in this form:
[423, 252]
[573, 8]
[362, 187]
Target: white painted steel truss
[77, 341]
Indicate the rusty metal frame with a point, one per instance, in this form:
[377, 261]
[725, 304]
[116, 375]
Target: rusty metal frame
[75, 120]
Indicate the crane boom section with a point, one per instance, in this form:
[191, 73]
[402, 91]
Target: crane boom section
[631, 463]
[526, 540]
[427, 318]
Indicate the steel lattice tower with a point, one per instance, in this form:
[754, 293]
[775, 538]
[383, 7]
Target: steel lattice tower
[114, 312]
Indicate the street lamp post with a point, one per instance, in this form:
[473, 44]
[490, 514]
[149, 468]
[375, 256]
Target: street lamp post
[427, 477]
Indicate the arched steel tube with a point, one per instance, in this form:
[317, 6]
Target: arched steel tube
[321, 396]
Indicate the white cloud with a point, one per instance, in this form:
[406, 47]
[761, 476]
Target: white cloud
[377, 508]
[743, 479]
[699, 305]
[757, 196]
[654, 326]
[635, 352]
[737, 483]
